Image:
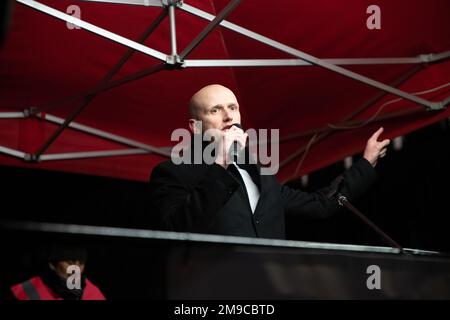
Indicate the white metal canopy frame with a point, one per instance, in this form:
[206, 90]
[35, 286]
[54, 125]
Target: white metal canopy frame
[179, 60]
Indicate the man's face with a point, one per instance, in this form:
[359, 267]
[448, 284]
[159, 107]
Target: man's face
[217, 108]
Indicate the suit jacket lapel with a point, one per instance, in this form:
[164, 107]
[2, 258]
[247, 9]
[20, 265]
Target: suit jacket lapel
[264, 183]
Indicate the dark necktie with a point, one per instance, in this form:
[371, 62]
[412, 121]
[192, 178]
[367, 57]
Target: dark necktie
[251, 170]
[235, 172]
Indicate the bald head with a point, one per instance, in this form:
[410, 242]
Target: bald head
[210, 95]
[215, 105]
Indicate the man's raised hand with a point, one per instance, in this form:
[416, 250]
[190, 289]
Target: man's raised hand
[376, 149]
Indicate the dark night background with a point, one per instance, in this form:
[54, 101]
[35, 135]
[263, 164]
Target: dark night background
[409, 202]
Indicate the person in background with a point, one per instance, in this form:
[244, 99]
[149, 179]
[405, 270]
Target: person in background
[54, 283]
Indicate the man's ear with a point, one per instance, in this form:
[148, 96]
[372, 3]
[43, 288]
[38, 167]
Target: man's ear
[51, 266]
[195, 126]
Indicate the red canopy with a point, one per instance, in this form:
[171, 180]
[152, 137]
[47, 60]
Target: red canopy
[332, 74]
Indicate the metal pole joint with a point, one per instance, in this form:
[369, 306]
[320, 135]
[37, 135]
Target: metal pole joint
[168, 3]
[441, 105]
[31, 157]
[30, 112]
[174, 61]
[426, 58]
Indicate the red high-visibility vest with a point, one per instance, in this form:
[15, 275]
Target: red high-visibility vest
[36, 289]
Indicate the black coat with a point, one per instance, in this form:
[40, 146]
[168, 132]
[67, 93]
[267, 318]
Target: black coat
[205, 198]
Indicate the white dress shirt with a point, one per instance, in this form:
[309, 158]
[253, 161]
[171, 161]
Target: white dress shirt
[252, 188]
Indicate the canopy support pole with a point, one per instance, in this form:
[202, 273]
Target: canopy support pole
[92, 154]
[12, 152]
[173, 35]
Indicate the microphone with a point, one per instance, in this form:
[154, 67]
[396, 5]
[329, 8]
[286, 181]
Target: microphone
[234, 150]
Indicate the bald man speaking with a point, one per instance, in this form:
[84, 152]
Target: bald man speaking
[227, 197]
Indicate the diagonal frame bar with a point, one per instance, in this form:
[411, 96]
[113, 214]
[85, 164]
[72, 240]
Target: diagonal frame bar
[94, 29]
[107, 135]
[12, 152]
[210, 27]
[92, 154]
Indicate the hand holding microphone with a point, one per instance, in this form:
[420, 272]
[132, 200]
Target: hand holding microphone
[233, 141]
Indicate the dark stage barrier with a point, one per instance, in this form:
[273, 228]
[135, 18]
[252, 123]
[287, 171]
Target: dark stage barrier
[145, 264]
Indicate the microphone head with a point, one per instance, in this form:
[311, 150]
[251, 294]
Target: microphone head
[237, 125]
